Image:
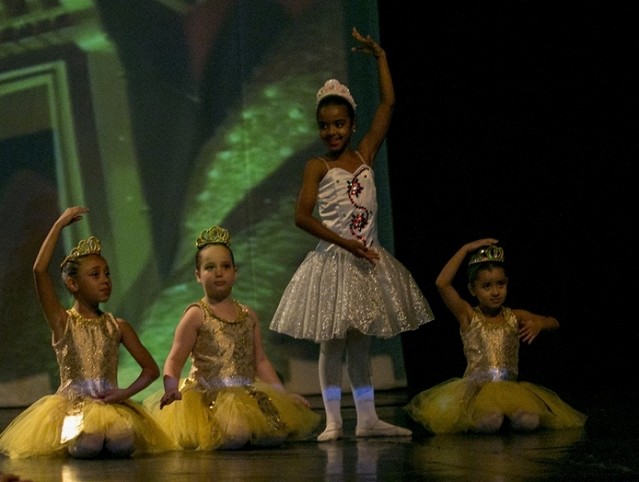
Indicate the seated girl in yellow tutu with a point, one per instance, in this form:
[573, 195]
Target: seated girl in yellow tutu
[489, 393]
[232, 396]
[89, 415]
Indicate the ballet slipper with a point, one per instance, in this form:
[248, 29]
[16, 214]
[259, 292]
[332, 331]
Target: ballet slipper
[331, 433]
[382, 429]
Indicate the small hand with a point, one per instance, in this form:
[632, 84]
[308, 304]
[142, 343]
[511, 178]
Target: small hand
[300, 399]
[367, 44]
[480, 243]
[361, 251]
[72, 215]
[169, 397]
[528, 330]
[111, 395]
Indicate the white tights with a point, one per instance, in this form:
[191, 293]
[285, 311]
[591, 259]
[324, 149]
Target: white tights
[356, 347]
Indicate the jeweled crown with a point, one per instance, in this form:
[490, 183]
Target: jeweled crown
[335, 87]
[490, 253]
[85, 247]
[214, 235]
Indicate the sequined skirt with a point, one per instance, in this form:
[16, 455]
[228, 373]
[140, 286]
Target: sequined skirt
[52, 423]
[332, 292]
[232, 417]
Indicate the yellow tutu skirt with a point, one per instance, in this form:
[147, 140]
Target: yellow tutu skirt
[50, 425]
[232, 417]
[454, 405]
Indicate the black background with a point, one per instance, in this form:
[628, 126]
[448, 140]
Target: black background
[518, 120]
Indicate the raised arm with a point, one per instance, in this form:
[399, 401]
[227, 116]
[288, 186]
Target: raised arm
[459, 307]
[54, 311]
[373, 139]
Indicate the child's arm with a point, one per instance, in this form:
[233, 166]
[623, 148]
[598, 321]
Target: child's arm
[372, 140]
[54, 312]
[304, 210]
[183, 343]
[150, 370]
[531, 324]
[263, 366]
[460, 308]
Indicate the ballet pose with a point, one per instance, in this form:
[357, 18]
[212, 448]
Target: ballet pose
[489, 396]
[349, 289]
[89, 415]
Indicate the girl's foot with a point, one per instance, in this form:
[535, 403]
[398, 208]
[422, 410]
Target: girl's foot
[331, 432]
[382, 429]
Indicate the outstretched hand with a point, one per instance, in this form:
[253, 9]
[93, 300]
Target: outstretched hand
[366, 44]
[529, 329]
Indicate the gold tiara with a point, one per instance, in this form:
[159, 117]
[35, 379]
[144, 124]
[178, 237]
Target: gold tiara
[335, 87]
[214, 235]
[84, 248]
[490, 253]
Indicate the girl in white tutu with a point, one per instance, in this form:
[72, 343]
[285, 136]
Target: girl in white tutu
[349, 288]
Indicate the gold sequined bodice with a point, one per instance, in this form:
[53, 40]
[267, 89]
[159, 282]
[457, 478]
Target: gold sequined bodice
[88, 354]
[492, 350]
[223, 352]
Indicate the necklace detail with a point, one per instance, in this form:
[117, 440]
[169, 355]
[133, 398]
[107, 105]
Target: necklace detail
[241, 314]
[76, 314]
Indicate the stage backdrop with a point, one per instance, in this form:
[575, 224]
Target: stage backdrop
[165, 118]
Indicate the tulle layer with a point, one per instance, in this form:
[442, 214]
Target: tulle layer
[52, 423]
[332, 292]
[234, 416]
[453, 406]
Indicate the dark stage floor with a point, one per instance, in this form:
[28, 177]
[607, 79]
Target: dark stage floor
[607, 449]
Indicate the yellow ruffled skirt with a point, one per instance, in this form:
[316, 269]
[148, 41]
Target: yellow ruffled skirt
[51, 424]
[232, 417]
[455, 405]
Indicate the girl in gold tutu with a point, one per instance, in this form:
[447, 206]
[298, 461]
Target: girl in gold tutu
[89, 415]
[232, 396]
[489, 394]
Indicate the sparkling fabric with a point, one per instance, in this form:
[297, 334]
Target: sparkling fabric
[490, 385]
[332, 290]
[492, 350]
[223, 353]
[87, 355]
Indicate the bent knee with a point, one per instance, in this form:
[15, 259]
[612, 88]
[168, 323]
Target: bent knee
[489, 423]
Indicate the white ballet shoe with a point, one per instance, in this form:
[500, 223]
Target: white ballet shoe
[331, 433]
[382, 429]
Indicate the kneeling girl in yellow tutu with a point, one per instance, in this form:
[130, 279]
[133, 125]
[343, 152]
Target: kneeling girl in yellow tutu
[232, 396]
[89, 415]
[489, 395]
